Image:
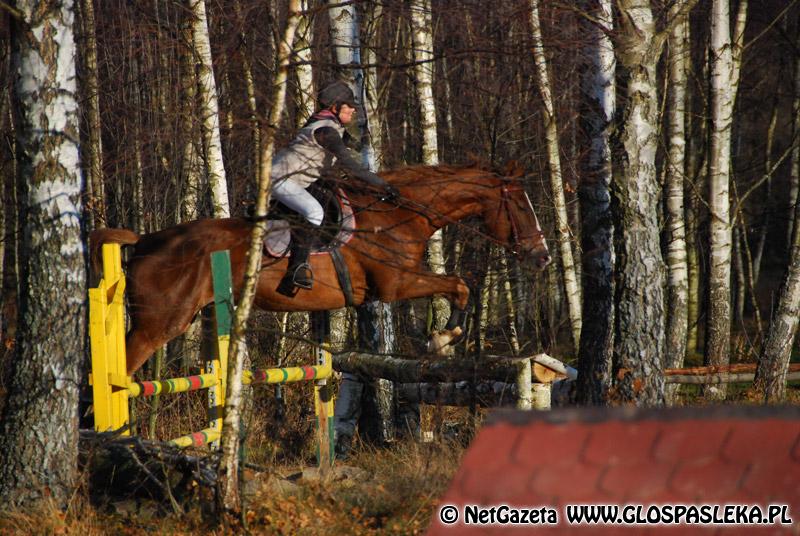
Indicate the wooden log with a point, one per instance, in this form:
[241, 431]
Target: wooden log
[485, 394]
[736, 368]
[720, 377]
[421, 371]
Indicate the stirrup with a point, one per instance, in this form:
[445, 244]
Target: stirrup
[303, 277]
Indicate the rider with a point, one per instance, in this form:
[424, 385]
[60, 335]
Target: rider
[319, 144]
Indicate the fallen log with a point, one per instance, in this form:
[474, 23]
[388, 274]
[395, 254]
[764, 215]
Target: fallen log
[421, 371]
[483, 394]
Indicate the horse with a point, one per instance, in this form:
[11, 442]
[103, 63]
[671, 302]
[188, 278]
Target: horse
[169, 273]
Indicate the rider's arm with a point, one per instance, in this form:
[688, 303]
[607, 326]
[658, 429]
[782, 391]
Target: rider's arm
[332, 142]
[351, 142]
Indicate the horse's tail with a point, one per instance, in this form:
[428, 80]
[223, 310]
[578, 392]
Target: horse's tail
[107, 236]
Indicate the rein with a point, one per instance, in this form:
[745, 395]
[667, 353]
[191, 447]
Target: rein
[505, 203]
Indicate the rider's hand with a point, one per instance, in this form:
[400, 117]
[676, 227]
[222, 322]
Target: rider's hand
[390, 193]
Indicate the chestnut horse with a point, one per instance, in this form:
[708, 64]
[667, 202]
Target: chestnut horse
[169, 273]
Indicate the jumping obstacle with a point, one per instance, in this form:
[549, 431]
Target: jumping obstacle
[112, 387]
[522, 381]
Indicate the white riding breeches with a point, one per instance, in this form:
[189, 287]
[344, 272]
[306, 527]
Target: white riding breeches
[298, 199]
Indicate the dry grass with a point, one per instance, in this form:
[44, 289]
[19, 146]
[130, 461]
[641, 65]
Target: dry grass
[392, 491]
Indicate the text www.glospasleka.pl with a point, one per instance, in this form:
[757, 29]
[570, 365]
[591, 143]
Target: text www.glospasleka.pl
[609, 514]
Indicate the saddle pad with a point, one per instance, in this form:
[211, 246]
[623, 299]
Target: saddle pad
[278, 237]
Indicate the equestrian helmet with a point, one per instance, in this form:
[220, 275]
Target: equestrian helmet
[336, 94]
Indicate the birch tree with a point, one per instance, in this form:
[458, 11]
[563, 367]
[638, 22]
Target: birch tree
[422, 44]
[573, 293]
[209, 110]
[773, 363]
[726, 54]
[39, 429]
[305, 75]
[376, 331]
[794, 176]
[229, 464]
[597, 335]
[640, 323]
[677, 269]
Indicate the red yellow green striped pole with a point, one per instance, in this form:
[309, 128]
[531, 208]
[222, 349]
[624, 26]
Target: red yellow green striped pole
[173, 385]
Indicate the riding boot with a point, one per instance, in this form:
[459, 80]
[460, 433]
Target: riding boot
[298, 274]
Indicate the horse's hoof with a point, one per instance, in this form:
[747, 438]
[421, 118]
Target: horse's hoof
[440, 340]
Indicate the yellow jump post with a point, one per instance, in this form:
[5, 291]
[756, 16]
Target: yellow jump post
[111, 385]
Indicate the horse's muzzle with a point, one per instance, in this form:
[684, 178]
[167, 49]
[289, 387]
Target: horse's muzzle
[541, 260]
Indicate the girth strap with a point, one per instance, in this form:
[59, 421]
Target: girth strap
[343, 274]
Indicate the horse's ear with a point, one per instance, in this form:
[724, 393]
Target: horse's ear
[474, 160]
[513, 170]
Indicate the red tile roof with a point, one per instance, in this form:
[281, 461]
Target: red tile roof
[711, 455]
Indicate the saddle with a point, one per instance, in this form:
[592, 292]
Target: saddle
[338, 224]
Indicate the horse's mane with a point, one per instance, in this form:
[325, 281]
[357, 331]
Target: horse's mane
[415, 173]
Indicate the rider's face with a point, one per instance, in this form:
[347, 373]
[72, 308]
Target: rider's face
[346, 113]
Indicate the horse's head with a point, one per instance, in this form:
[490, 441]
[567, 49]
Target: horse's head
[511, 219]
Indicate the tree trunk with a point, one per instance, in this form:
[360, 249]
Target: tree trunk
[677, 280]
[305, 76]
[767, 205]
[572, 289]
[422, 39]
[639, 339]
[375, 324]
[597, 335]
[697, 173]
[94, 143]
[209, 111]
[190, 191]
[770, 380]
[39, 438]
[229, 464]
[794, 175]
[726, 55]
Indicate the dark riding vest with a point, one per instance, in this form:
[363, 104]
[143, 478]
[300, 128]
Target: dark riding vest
[304, 159]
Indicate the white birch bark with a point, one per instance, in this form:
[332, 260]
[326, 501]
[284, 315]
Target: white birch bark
[422, 44]
[726, 54]
[229, 464]
[209, 110]
[794, 175]
[773, 363]
[573, 292]
[39, 429]
[640, 307]
[304, 73]
[677, 268]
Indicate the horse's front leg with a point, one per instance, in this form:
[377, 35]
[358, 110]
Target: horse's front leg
[407, 285]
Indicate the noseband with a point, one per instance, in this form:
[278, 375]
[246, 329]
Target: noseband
[505, 203]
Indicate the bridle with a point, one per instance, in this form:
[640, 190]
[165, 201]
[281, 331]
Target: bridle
[505, 203]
